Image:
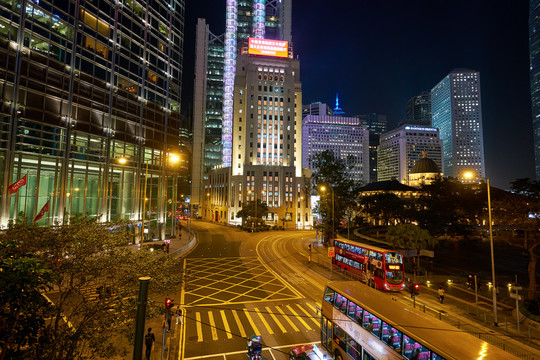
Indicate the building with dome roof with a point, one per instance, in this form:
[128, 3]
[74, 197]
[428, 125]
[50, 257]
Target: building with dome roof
[400, 149]
[424, 171]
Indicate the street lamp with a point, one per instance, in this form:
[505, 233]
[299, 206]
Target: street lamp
[169, 159]
[323, 189]
[469, 175]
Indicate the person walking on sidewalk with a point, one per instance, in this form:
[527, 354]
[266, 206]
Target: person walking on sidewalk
[149, 340]
[441, 294]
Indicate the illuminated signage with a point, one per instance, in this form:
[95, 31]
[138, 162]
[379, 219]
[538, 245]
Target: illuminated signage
[420, 128]
[266, 47]
[392, 267]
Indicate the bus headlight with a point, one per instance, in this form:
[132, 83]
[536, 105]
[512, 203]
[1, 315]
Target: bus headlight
[386, 287]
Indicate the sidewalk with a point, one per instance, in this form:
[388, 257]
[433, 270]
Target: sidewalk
[179, 247]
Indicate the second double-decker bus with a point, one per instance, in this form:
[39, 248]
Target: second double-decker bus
[359, 323]
[381, 268]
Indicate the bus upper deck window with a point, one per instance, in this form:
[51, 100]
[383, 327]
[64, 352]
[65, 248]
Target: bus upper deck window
[329, 295]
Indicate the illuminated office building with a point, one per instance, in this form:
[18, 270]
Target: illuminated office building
[266, 141]
[400, 149]
[82, 87]
[346, 137]
[215, 62]
[534, 56]
[456, 110]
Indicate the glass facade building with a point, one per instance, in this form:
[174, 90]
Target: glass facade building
[419, 109]
[85, 84]
[457, 112]
[534, 55]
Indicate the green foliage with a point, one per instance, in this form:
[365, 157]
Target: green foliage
[339, 198]
[410, 237]
[252, 212]
[74, 260]
[387, 207]
[449, 207]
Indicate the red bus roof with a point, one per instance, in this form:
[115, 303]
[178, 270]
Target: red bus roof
[366, 246]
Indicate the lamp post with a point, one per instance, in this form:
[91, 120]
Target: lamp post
[323, 189]
[469, 175]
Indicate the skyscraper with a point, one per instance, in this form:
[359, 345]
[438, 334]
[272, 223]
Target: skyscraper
[212, 134]
[456, 110]
[401, 148]
[85, 86]
[266, 141]
[534, 55]
[377, 125]
[346, 137]
[419, 109]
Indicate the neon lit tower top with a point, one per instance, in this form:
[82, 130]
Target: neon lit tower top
[337, 109]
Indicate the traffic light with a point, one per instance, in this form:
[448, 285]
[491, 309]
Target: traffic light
[415, 289]
[168, 303]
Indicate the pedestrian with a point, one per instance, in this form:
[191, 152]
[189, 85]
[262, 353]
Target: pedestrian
[168, 244]
[390, 340]
[149, 340]
[441, 294]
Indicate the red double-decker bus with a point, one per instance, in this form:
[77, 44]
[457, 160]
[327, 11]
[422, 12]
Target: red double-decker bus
[380, 268]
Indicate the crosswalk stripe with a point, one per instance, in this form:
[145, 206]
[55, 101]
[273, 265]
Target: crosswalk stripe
[253, 326]
[308, 315]
[240, 326]
[312, 308]
[298, 317]
[226, 324]
[199, 327]
[287, 318]
[264, 322]
[276, 320]
[212, 325]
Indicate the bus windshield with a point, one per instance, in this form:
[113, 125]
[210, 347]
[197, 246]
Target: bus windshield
[394, 277]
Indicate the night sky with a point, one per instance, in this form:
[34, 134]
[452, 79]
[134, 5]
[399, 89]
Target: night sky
[377, 54]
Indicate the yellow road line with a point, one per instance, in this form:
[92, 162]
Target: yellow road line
[276, 320]
[264, 322]
[240, 326]
[298, 317]
[226, 324]
[199, 327]
[313, 308]
[253, 326]
[287, 318]
[308, 315]
[212, 325]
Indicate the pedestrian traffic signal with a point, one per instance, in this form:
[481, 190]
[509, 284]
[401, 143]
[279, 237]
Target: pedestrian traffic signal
[168, 303]
[415, 289]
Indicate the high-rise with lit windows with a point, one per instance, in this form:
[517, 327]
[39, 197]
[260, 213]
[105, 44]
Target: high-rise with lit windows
[456, 110]
[346, 137]
[85, 84]
[534, 56]
[215, 71]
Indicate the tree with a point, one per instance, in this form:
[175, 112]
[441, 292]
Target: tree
[410, 237]
[76, 260]
[387, 207]
[520, 210]
[449, 207]
[340, 194]
[253, 212]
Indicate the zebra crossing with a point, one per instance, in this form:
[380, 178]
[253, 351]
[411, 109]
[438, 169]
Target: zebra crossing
[211, 324]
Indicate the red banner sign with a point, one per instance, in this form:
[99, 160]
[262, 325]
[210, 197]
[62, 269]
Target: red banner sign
[43, 210]
[13, 188]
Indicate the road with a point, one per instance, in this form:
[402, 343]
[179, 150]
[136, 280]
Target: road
[240, 284]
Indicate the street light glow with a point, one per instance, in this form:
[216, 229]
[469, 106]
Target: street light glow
[122, 160]
[174, 158]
